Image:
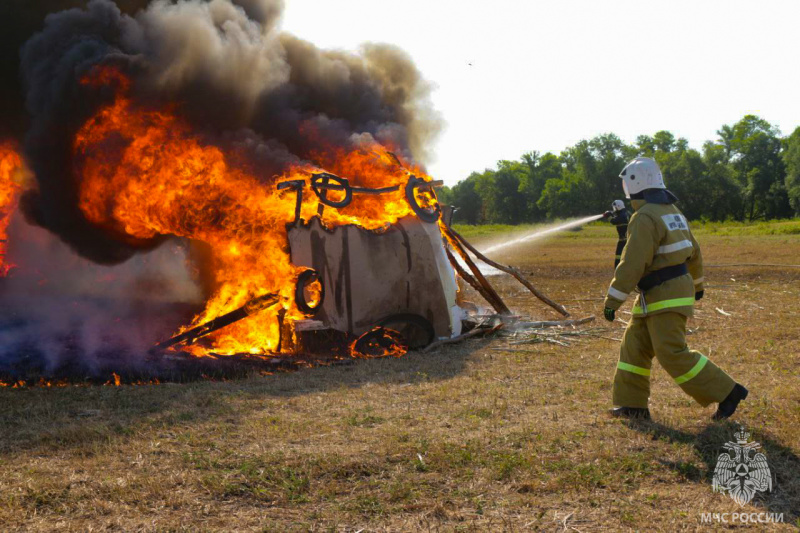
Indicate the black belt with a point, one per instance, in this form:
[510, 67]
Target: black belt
[657, 277]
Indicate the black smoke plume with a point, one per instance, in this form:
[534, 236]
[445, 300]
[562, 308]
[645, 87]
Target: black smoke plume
[19, 20]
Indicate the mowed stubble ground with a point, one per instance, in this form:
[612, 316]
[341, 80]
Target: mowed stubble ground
[478, 436]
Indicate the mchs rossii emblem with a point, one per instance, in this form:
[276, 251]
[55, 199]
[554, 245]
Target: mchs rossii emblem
[742, 470]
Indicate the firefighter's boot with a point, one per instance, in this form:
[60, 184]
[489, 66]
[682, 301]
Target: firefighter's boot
[728, 406]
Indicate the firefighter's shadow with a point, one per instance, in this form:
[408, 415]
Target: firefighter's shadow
[783, 462]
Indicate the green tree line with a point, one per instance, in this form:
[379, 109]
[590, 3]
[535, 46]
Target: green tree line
[749, 172]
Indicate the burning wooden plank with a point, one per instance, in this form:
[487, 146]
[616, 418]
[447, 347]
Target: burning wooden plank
[190, 336]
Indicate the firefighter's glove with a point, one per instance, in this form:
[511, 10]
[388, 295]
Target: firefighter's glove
[608, 313]
[607, 214]
[698, 295]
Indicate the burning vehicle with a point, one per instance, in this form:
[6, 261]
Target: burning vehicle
[292, 176]
[392, 288]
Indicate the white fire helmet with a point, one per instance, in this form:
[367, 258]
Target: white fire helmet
[617, 205]
[640, 174]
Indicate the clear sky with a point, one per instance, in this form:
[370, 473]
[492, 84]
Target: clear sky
[546, 74]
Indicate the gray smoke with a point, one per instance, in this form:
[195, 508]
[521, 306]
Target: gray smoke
[63, 315]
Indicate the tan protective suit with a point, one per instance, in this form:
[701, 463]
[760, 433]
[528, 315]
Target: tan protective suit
[659, 237]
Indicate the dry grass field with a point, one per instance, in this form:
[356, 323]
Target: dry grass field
[481, 436]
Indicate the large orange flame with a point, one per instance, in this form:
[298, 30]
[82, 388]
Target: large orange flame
[144, 172]
[12, 175]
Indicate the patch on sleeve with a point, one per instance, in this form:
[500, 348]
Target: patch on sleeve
[675, 222]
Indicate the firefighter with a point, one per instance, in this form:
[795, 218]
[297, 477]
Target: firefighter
[662, 261]
[618, 216]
